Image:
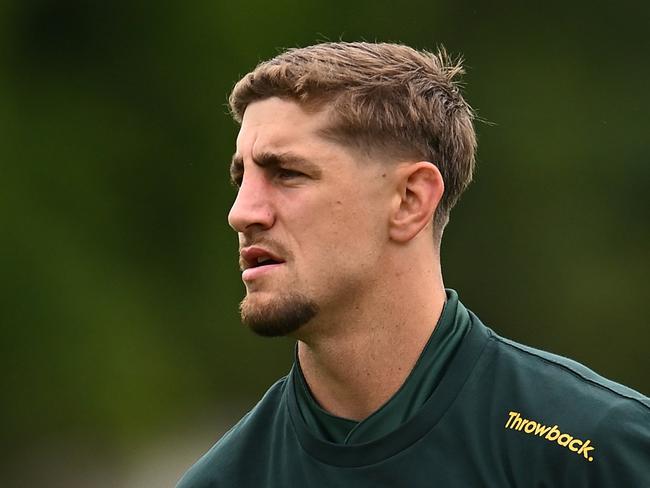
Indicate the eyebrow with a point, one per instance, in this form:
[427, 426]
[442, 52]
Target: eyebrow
[236, 169]
[273, 160]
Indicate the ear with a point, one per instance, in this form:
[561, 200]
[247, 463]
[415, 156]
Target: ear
[419, 189]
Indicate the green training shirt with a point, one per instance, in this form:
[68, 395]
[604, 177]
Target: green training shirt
[501, 415]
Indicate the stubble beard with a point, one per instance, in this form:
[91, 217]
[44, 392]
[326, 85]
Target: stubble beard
[278, 318]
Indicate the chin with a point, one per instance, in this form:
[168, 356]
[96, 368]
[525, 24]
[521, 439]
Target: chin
[277, 317]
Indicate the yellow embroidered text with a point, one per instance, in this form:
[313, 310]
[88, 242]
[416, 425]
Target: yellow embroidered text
[552, 434]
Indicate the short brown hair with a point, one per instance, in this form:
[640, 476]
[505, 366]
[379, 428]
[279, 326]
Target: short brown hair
[390, 97]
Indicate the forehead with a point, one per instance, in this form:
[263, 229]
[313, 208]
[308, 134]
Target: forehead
[278, 124]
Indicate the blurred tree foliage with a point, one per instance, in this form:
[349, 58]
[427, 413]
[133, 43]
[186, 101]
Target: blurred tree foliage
[119, 283]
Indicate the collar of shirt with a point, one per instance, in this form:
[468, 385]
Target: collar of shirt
[452, 325]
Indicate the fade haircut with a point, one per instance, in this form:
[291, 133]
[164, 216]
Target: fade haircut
[386, 99]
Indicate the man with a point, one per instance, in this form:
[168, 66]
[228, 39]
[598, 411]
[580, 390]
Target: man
[349, 159]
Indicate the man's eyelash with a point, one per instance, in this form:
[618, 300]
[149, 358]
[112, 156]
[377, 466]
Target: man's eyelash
[237, 179]
[285, 172]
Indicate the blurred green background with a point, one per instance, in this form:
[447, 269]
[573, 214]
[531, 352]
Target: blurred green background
[123, 358]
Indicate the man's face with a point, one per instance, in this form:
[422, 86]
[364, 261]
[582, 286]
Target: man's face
[311, 216]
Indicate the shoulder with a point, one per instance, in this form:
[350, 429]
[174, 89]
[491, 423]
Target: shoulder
[592, 430]
[565, 376]
[222, 463]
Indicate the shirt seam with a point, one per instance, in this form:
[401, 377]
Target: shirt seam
[567, 368]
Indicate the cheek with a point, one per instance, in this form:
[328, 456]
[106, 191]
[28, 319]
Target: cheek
[362, 218]
[341, 232]
[353, 233]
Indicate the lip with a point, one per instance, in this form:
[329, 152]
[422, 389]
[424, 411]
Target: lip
[250, 274]
[248, 262]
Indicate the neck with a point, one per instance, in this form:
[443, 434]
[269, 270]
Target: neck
[371, 345]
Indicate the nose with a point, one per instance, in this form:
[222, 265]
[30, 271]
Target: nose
[252, 207]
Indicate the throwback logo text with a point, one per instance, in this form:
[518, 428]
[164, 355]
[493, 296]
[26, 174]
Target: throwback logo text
[552, 434]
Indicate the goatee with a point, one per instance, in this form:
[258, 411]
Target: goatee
[279, 318]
